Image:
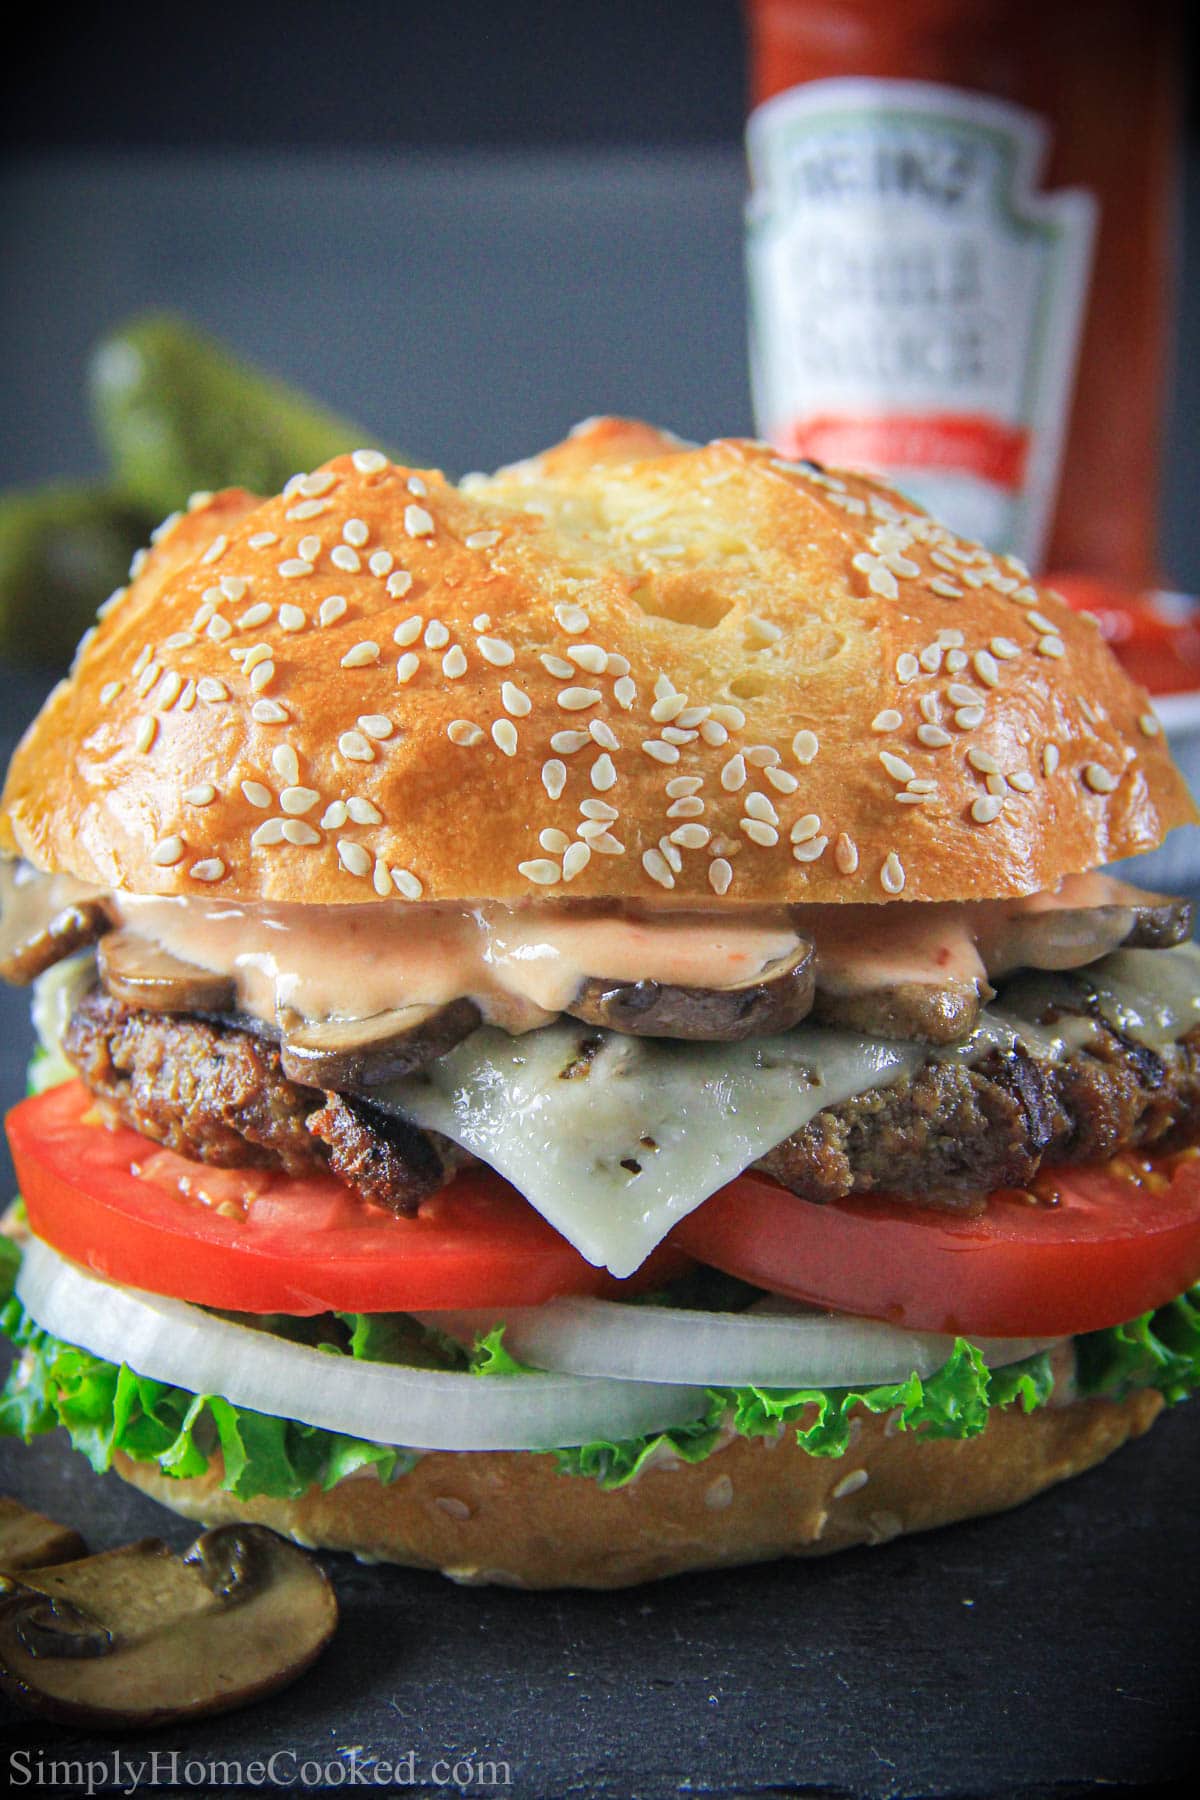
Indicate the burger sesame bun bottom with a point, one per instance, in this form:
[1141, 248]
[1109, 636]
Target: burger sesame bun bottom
[514, 1519]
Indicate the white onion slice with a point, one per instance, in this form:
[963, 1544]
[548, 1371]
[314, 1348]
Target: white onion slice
[800, 1348]
[422, 1409]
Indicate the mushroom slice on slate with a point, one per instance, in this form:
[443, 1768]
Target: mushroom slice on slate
[29, 1540]
[72, 928]
[342, 1053]
[917, 1010]
[776, 998]
[143, 974]
[139, 1637]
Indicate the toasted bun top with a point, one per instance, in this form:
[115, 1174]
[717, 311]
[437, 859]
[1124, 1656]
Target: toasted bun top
[624, 668]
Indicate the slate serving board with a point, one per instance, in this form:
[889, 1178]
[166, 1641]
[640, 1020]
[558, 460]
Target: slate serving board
[1050, 1651]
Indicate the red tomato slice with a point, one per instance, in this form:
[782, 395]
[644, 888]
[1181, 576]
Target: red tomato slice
[256, 1241]
[1092, 1247]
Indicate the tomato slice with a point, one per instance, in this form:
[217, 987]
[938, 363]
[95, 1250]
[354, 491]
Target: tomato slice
[256, 1241]
[1086, 1248]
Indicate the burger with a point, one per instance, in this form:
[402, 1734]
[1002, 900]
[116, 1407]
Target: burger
[580, 1033]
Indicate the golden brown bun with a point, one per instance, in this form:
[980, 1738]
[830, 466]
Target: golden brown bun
[516, 1520]
[615, 589]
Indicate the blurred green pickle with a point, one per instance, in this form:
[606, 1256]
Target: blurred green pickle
[177, 413]
[63, 549]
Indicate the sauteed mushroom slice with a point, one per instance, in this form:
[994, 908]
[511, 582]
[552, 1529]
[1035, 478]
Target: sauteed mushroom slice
[29, 1540]
[143, 974]
[72, 928]
[916, 1010]
[1071, 937]
[776, 998]
[342, 1053]
[1159, 926]
[139, 1637]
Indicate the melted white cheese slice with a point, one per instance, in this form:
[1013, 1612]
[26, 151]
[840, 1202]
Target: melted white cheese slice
[614, 1138]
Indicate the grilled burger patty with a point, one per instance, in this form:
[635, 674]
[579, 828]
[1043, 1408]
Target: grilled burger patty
[946, 1138]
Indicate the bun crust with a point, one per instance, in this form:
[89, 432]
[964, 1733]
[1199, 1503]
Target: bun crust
[776, 684]
[515, 1520]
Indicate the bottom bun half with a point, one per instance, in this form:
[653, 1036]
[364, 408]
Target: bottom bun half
[514, 1519]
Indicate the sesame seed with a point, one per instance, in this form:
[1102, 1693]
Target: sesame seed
[269, 712]
[907, 668]
[286, 764]
[593, 828]
[956, 661]
[759, 832]
[892, 876]
[356, 747]
[1041, 623]
[986, 808]
[454, 663]
[262, 540]
[314, 485]
[804, 746]
[1051, 646]
[483, 622]
[933, 737]
[968, 717]
[568, 742]
[292, 618]
[607, 845]
[407, 884]
[436, 635]
[168, 852]
[961, 695]
[845, 854]
[210, 689]
[381, 880]
[658, 868]
[691, 837]
[983, 761]
[298, 799]
[141, 660]
[256, 793]
[624, 692]
[269, 833]
[590, 657]
[331, 609]
[504, 736]
[210, 868]
[554, 777]
[417, 522]
[603, 773]
[1148, 725]
[294, 568]
[482, 540]
[307, 509]
[464, 733]
[368, 462]
[1099, 779]
[170, 689]
[407, 666]
[805, 828]
[409, 630]
[355, 532]
[671, 852]
[553, 840]
[947, 589]
[298, 832]
[382, 563]
[555, 665]
[415, 485]
[344, 558]
[1022, 781]
[811, 850]
[660, 751]
[499, 652]
[145, 735]
[376, 725]
[309, 548]
[577, 699]
[111, 689]
[759, 807]
[850, 1484]
[539, 871]
[261, 675]
[733, 774]
[1004, 648]
[203, 794]
[575, 860]
[720, 874]
[179, 640]
[218, 629]
[951, 639]
[887, 720]
[215, 550]
[353, 857]
[572, 619]
[668, 708]
[603, 734]
[714, 733]
[896, 766]
[930, 658]
[363, 812]
[683, 784]
[399, 584]
[258, 614]
[334, 816]
[598, 809]
[672, 735]
[762, 756]
[730, 716]
[689, 807]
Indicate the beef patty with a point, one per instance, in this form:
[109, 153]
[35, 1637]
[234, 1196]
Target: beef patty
[945, 1138]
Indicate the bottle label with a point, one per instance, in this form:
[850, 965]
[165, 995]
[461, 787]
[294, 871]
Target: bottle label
[916, 304]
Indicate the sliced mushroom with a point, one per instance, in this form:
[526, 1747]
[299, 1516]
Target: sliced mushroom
[139, 1637]
[29, 1540]
[1070, 937]
[71, 928]
[143, 974]
[774, 999]
[341, 1053]
[1160, 926]
[907, 1009]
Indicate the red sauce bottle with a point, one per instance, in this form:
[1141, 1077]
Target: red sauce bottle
[961, 256]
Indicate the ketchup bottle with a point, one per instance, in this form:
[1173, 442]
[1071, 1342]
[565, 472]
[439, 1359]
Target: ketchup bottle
[960, 240]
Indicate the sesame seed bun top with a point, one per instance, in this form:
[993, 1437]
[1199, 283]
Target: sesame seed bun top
[624, 668]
